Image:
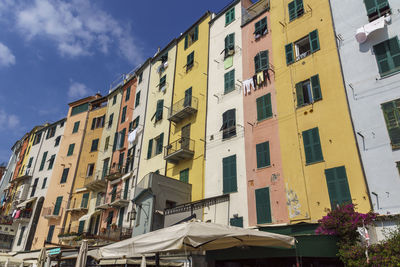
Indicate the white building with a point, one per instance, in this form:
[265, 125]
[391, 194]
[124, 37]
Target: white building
[41, 161]
[225, 170]
[368, 41]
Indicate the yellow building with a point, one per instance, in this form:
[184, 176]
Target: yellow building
[320, 161]
[185, 150]
[79, 204]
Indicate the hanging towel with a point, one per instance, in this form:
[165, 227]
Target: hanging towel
[266, 75]
[247, 84]
[260, 78]
[163, 88]
[17, 214]
[132, 136]
[165, 64]
[13, 214]
[228, 62]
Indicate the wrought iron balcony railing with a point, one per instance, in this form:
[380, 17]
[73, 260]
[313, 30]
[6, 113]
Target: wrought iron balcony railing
[181, 149]
[183, 109]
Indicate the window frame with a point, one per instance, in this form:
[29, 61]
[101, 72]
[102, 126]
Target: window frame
[314, 147]
[230, 16]
[263, 155]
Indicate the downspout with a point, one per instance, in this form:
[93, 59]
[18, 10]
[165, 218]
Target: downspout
[349, 110]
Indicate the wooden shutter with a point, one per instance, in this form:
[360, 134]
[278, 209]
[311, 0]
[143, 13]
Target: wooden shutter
[184, 176]
[76, 127]
[263, 155]
[371, 7]
[257, 63]
[160, 143]
[57, 206]
[229, 174]
[264, 63]
[316, 88]
[51, 162]
[267, 105]
[317, 151]
[264, 107]
[263, 205]
[159, 110]
[186, 41]
[391, 113]
[95, 144]
[110, 120]
[299, 94]
[115, 141]
[137, 100]
[85, 200]
[292, 11]
[338, 187]
[312, 146]
[150, 148]
[43, 161]
[289, 53]
[64, 175]
[314, 41]
[128, 93]
[50, 233]
[93, 123]
[122, 138]
[81, 227]
[229, 78]
[260, 115]
[123, 116]
[71, 149]
[196, 34]
[382, 57]
[121, 216]
[394, 50]
[238, 222]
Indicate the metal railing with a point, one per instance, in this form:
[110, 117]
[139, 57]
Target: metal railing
[48, 212]
[182, 144]
[24, 214]
[189, 102]
[115, 172]
[118, 195]
[117, 234]
[254, 10]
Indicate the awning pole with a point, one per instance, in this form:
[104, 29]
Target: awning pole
[157, 259]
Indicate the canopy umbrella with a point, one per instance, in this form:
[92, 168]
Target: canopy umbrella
[191, 236]
[42, 258]
[82, 255]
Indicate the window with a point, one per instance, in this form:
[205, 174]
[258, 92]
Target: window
[44, 182]
[229, 45]
[296, 9]
[106, 143]
[110, 120]
[64, 176]
[228, 124]
[123, 115]
[308, 91]
[35, 183]
[189, 61]
[236, 221]
[121, 216]
[95, 145]
[184, 176]
[90, 170]
[128, 94]
[29, 163]
[76, 127]
[140, 77]
[57, 206]
[229, 174]
[162, 82]
[114, 99]
[391, 112]
[130, 159]
[109, 218]
[150, 149]
[159, 110]
[51, 162]
[302, 48]
[312, 146]
[85, 200]
[230, 16]
[80, 109]
[164, 58]
[159, 143]
[261, 61]
[387, 56]
[38, 136]
[50, 233]
[57, 141]
[81, 226]
[261, 27]
[191, 37]
[135, 123]
[229, 78]
[121, 139]
[98, 122]
[263, 156]
[51, 132]
[43, 161]
[62, 124]
[398, 166]
[71, 149]
[263, 205]
[264, 107]
[338, 187]
[21, 234]
[137, 99]
[376, 8]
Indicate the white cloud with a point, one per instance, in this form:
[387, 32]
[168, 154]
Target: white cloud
[78, 90]
[7, 58]
[8, 121]
[77, 28]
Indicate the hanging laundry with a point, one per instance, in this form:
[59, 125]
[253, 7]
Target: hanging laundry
[13, 214]
[17, 214]
[255, 82]
[247, 84]
[228, 62]
[260, 78]
[266, 75]
[132, 136]
[163, 88]
[165, 64]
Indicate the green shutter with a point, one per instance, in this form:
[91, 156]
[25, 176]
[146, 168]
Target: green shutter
[371, 7]
[387, 56]
[93, 123]
[50, 233]
[51, 162]
[299, 94]
[257, 63]
[57, 206]
[64, 175]
[316, 88]
[264, 63]
[186, 41]
[259, 109]
[229, 44]
[79, 109]
[264, 107]
[123, 116]
[229, 79]
[189, 60]
[71, 149]
[314, 41]
[160, 143]
[394, 50]
[122, 139]
[121, 216]
[196, 34]
[292, 11]
[382, 58]
[338, 187]
[95, 144]
[159, 109]
[76, 127]
[289, 53]
[238, 222]
[81, 227]
[128, 94]
[85, 200]
[115, 141]
[137, 99]
[150, 148]
[312, 146]
[263, 155]
[391, 112]
[43, 161]
[230, 16]
[229, 174]
[184, 175]
[162, 82]
[263, 205]
[30, 162]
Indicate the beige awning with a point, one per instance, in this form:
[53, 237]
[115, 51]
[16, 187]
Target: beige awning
[23, 204]
[191, 236]
[138, 261]
[88, 215]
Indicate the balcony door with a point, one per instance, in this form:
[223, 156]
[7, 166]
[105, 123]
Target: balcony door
[188, 98]
[185, 134]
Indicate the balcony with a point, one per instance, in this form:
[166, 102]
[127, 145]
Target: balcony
[96, 182]
[114, 173]
[48, 213]
[27, 174]
[78, 208]
[115, 234]
[24, 216]
[183, 109]
[101, 203]
[119, 199]
[254, 10]
[181, 149]
[22, 194]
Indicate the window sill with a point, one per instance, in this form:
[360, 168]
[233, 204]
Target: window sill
[390, 74]
[315, 162]
[306, 105]
[264, 167]
[228, 138]
[229, 91]
[260, 121]
[230, 192]
[227, 24]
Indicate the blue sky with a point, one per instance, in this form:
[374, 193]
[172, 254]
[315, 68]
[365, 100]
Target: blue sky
[53, 52]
